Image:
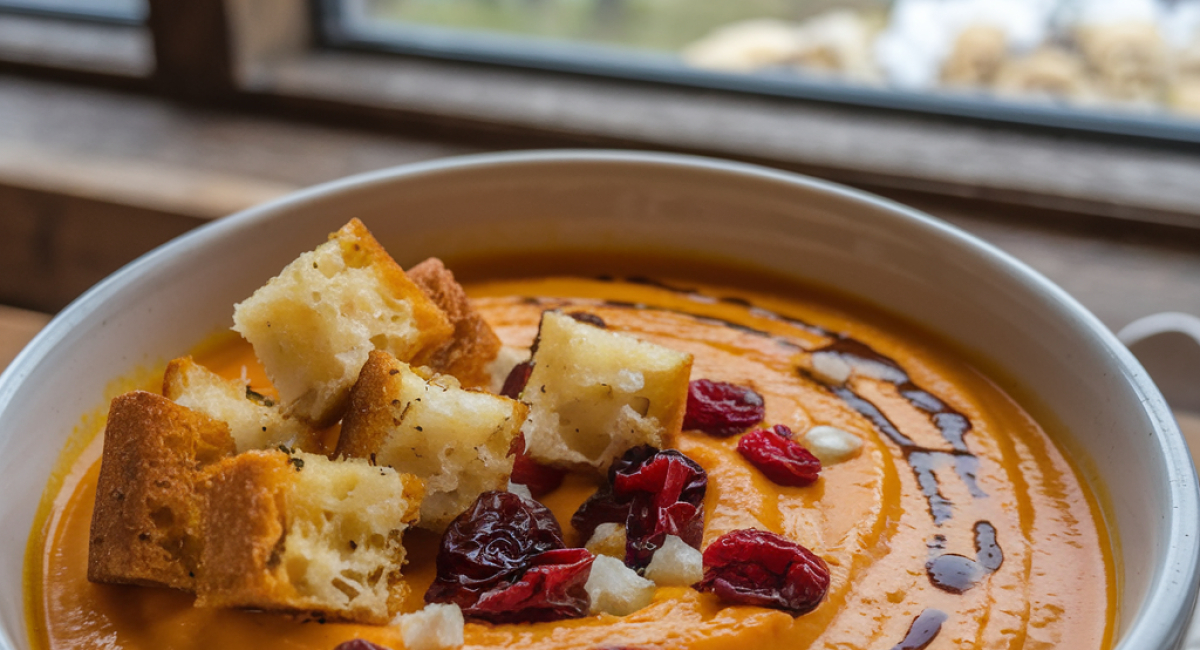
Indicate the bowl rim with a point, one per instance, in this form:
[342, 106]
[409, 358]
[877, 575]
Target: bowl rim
[1163, 617]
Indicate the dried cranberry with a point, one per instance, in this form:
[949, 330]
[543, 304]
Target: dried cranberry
[514, 383]
[666, 497]
[655, 494]
[359, 644]
[755, 567]
[491, 543]
[551, 589]
[783, 461]
[722, 409]
[540, 479]
[603, 507]
[600, 508]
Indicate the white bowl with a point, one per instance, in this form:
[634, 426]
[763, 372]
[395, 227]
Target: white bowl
[886, 254]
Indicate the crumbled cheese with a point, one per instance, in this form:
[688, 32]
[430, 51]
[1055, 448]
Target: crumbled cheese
[615, 588]
[608, 539]
[517, 488]
[832, 445]
[830, 368]
[436, 627]
[676, 564]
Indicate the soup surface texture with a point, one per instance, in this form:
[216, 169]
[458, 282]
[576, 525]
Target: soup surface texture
[960, 524]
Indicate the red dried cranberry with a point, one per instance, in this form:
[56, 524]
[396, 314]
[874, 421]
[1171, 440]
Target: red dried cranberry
[491, 544]
[783, 461]
[540, 479]
[665, 495]
[603, 506]
[359, 644]
[722, 409]
[514, 383]
[600, 508]
[755, 567]
[655, 494]
[551, 589]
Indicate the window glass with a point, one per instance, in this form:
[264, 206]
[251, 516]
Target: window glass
[118, 11]
[1130, 66]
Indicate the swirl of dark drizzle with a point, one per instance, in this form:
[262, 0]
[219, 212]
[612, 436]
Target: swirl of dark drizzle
[949, 572]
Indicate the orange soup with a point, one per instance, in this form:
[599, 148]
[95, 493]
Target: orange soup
[960, 523]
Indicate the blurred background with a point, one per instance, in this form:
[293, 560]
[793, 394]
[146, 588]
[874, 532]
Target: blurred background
[1066, 132]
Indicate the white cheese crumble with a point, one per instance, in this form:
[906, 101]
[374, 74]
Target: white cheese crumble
[608, 539]
[616, 589]
[832, 445]
[436, 627]
[520, 490]
[676, 564]
[830, 368]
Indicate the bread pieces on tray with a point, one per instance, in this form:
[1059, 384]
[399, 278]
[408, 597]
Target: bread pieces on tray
[456, 440]
[313, 325]
[147, 519]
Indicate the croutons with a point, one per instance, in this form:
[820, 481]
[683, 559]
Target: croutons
[305, 534]
[456, 440]
[593, 394]
[313, 325]
[255, 423]
[147, 520]
[468, 355]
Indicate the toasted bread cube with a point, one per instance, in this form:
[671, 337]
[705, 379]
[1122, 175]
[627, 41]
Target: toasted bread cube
[594, 393]
[254, 423]
[456, 440]
[302, 533]
[146, 523]
[313, 325]
[468, 355]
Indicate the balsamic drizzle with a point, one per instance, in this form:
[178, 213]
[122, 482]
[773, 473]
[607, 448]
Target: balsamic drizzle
[923, 630]
[957, 573]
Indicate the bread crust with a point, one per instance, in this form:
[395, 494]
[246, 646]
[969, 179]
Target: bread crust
[146, 523]
[474, 346]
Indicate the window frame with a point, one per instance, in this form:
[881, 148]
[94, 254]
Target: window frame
[331, 31]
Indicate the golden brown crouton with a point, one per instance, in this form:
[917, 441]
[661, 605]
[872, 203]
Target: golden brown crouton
[593, 394]
[146, 524]
[456, 440]
[475, 345]
[313, 325]
[302, 533]
[254, 422]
